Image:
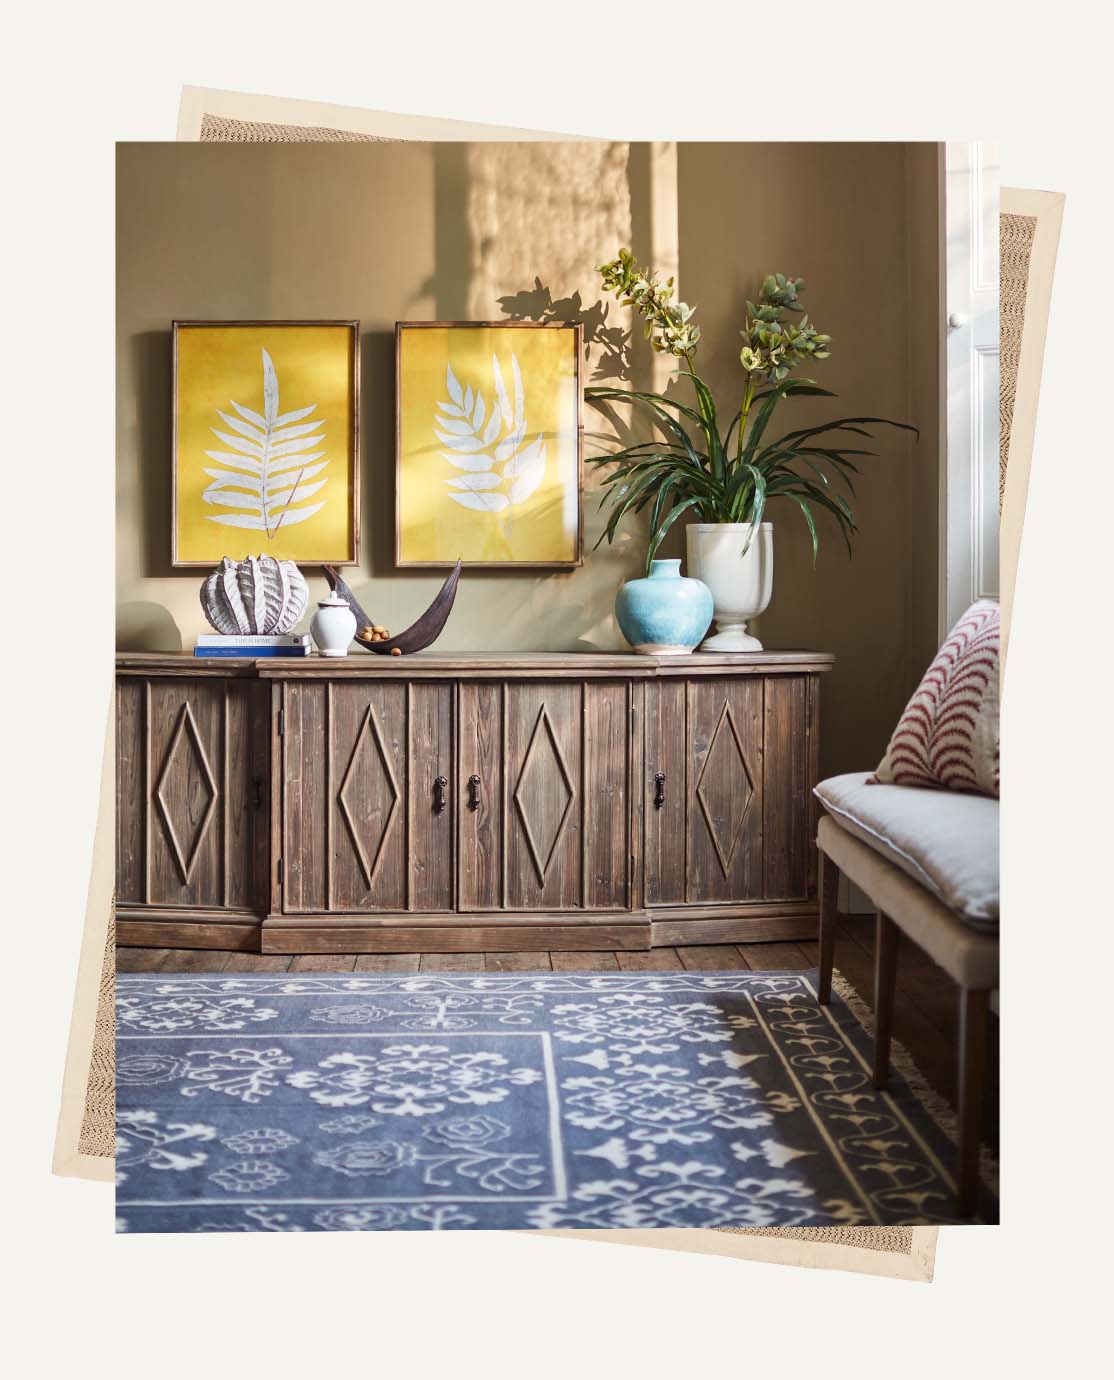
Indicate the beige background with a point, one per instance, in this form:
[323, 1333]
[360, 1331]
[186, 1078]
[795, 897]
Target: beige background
[385, 232]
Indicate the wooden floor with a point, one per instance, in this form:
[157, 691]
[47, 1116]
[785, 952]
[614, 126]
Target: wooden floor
[924, 1021]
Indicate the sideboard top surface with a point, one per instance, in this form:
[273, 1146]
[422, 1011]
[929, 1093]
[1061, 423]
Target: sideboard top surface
[477, 664]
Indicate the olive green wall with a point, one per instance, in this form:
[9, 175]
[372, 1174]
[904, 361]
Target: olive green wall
[837, 215]
[378, 233]
[386, 232]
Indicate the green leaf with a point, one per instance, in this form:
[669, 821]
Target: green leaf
[656, 403]
[852, 424]
[811, 525]
[659, 536]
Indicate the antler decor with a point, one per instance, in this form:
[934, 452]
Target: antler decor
[418, 635]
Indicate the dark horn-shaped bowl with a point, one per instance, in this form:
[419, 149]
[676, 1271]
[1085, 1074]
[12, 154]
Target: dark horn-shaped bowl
[420, 634]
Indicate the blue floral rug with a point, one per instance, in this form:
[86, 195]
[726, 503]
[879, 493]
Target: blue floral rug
[427, 1101]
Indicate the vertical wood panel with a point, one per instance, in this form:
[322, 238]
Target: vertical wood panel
[785, 803]
[544, 787]
[813, 812]
[636, 718]
[430, 849]
[186, 793]
[277, 758]
[665, 832]
[368, 804]
[131, 802]
[725, 789]
[480, 830]
[606, 813]
[258, 729]
[239, 812]
[304, 804]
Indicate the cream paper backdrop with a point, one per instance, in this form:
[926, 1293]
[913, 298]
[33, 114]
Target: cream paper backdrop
[83, 1145]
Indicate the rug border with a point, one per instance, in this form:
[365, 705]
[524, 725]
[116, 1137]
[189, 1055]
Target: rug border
[917, 1265]
[68, 1159]
[1048, 210]
[198, 101]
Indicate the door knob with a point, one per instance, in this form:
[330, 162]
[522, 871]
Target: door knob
[439, 794]
[957, 319]
[473, 792]
[659, 790]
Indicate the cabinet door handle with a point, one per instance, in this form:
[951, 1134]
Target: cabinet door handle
[257, 782]
[473, 792]
[439, 794]
[659, 790]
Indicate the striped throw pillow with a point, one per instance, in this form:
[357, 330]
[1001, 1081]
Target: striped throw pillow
[948, 734]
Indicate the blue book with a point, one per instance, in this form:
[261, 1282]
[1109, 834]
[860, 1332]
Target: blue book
[249, 652]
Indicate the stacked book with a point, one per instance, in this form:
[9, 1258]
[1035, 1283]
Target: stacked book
[253, 644]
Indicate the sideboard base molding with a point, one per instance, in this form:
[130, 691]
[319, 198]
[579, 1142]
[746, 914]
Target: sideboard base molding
[756, 925]
[497, 933]
[167, 929]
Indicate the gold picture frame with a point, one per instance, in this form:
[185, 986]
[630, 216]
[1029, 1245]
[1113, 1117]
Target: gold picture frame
[489, 453]
[231, 380]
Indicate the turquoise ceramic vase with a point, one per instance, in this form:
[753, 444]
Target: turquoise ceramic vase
[665, 614]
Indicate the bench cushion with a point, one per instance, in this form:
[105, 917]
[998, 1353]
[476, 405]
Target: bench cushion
[946, 840]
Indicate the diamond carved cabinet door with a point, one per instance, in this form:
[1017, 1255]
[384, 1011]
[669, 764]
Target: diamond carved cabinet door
[566, 808]
[728, 771]
[543, 796]
[345, 796]
[725, 789]
[191, 790]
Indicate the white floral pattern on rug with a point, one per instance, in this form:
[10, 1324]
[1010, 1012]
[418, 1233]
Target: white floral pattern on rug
[175, 1015]
[349, 1015]
[248, 1075]
[141, 1138]
[641, 1023]
[146, 1069]
[248, 1176]
[350, 1125]
[665, 1103]
[458, 1146]
[411, 1080]
[262, 1140]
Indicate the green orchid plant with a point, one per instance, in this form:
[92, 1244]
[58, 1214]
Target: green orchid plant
[692, 465]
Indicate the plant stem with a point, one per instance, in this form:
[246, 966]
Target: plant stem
[748, 398]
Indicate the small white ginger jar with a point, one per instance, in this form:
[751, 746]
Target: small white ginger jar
[333, 626]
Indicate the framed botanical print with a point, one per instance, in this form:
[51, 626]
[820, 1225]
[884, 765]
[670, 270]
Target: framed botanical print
[266, 441]
[488, 444]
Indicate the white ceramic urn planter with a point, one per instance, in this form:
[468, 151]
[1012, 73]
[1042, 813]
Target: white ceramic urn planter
[741, 584]
[333, 626]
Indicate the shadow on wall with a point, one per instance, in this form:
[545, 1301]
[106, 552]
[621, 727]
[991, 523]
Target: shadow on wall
[151, 371]
[146, 627]
[377, 455]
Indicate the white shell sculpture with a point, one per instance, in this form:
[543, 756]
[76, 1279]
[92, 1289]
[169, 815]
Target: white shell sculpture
[258, 595]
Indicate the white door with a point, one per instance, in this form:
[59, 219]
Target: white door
[969, 559]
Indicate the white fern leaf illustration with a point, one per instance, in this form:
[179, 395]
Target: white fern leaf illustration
[270, 461]
[474, 482]
[526, 471]
[482, 503]
[488, 442]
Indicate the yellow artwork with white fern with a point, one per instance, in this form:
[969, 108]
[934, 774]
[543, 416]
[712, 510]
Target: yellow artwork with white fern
[265, 438]
[488, 445]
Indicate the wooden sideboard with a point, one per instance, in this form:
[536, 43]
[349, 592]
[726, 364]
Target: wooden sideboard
[467, 802]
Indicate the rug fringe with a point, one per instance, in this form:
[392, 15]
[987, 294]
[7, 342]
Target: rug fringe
[902, 1061]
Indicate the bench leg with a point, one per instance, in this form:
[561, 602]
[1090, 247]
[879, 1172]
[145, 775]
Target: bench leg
[973, 1008]
[829, 897]
[885, 982]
